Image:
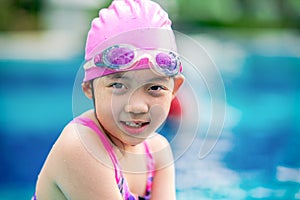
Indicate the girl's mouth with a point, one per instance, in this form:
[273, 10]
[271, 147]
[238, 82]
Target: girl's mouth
[134, 127]
[135, 124]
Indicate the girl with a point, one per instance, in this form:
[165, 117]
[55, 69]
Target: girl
[132, 73]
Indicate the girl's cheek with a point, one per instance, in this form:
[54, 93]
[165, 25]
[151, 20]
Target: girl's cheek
[158, 112]
[117, 107]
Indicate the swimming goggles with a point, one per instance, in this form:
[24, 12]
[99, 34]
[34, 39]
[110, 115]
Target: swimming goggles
[123, 57]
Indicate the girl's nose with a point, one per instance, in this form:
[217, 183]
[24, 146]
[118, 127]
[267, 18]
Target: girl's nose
[136, 104]
[136, 108]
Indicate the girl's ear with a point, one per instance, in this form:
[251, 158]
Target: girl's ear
[87, 89]
[178, 81]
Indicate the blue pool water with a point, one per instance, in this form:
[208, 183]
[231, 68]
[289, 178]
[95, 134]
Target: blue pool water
[256, 157]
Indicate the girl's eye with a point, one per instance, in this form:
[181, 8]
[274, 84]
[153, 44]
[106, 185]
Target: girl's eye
[156, 88]
[118, 86]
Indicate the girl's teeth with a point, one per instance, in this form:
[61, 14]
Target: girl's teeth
[132, 124]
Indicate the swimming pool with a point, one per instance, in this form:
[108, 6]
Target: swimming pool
[256, 157]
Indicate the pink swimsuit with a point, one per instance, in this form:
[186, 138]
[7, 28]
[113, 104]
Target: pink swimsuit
[120, 180]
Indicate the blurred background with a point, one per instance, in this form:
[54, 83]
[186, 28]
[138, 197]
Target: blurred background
[255, 46]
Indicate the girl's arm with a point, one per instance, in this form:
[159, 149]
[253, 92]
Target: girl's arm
[76, 172]
[164, 178]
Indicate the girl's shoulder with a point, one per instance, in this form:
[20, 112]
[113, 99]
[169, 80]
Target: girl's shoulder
[81, 141]
[160, 150]
[76, 145]
[77, 160]
[157, 142]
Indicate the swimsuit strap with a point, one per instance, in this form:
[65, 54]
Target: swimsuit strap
[151, 169]
[85, 121]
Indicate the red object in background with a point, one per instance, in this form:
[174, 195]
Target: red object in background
[175, 109]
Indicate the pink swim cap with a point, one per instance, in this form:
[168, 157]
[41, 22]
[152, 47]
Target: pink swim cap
[141, 23]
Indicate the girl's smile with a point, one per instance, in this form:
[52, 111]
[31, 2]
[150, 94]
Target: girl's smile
[134, 127]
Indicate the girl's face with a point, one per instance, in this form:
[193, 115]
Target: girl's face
[132, 105]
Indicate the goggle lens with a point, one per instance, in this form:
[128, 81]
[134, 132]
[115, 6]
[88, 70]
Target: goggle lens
[168, 62]
[117, 57]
